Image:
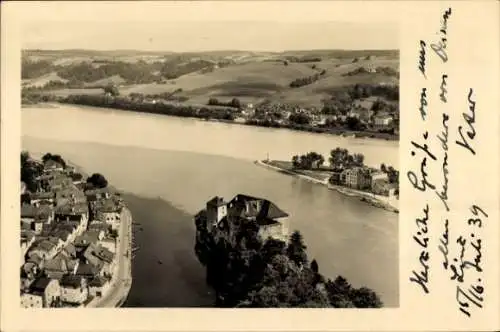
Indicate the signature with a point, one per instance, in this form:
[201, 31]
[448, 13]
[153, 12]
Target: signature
[470, 119]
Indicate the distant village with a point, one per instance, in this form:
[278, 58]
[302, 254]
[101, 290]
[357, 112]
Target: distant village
[69, 235]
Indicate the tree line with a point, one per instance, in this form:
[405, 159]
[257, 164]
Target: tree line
[133, 73]
[297, 83]
[248, 272]
[235, 102]
[342, 98]
[388, 71]
[155, 108]
[308, 161]
[339, 159]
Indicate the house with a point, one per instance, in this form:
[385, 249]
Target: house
[66, 230]
[108, 211]
[384, 187]
[98, 194]
[37, 226]
[97, 225]
[31, 301]
[377, 176]
[25, 284]
[108, 259]
[78, 212]
[74, 289]
[99, 286]
[89, 271]
[382, 120]
[52, 165]
[336, 178]
[48, 289]
[361, 113]
[222, 216]
[36, 259]
[100, 258]
[70, 195]
[41, 198]
[69, 251]
[89, 237]
[58, 182]
[27, 240]
[45, 249]
[30, 270]
[60, 266]
[109, 244]
[356, 178]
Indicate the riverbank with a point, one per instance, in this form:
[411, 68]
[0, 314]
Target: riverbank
[383, 202]
[189, 112]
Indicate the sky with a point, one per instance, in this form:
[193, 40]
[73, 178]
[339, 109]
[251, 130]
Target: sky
[203, 26]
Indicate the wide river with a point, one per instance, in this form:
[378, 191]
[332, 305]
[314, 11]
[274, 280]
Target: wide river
[186, 162]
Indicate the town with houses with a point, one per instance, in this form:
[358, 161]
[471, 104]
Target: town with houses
[71, 235]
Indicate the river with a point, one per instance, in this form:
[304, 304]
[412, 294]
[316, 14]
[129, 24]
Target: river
[185, 162]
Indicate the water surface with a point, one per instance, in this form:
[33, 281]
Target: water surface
[344, 235]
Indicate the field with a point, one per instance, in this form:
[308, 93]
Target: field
[250, 76]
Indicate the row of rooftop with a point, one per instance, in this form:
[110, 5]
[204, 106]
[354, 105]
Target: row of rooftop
[69, 235]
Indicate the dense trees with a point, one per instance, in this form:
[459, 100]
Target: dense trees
[54, 157]
[341, 158]
[222, 113]
[246, 271]
[308, 161]
[30, 170]
[139, 72]
[299, 118]
[112, 90]
[235, 102]
[297, 83]
[97, 180]
[33, 69]
[392, 173]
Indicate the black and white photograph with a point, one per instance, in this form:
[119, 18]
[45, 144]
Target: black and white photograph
[179, 163]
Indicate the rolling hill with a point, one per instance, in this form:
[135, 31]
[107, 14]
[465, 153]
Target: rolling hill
[249, 76]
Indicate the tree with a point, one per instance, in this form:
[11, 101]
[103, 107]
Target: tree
[25, 156]
[112, 90]
[213, 101]
[383, 168]
[365, 298]
[299, 118]
[358, 159]
[97, 181]
[295, 161]
[314, 266]
[54, 157]
[296, 249]
[235, 102]
[338, 158]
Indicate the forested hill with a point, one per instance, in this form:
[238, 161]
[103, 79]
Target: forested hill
[248, 272]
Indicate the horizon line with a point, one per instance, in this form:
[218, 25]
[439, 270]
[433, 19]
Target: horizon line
[208, 50]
